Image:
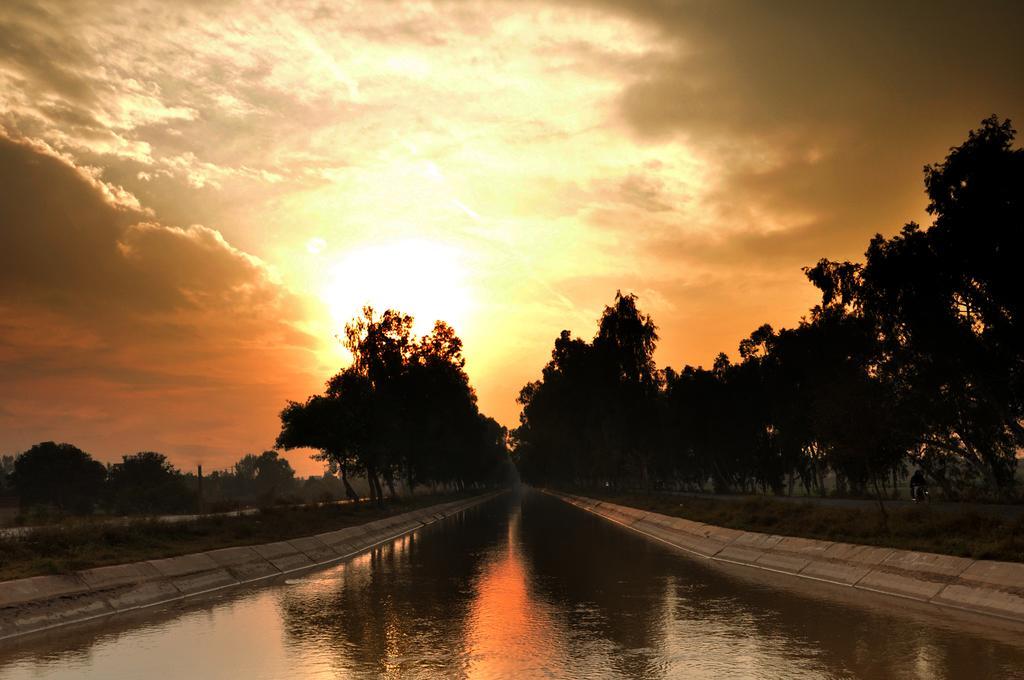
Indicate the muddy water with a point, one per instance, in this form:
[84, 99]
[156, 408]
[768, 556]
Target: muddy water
[522, 587]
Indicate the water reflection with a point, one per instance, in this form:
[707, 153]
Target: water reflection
[511, 630]
[669, 615]
[518, 590]
[391, 612]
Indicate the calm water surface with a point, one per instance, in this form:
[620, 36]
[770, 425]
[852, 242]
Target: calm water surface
[521, 588]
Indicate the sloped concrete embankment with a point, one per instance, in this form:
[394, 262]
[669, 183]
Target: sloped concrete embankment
[45, 602]
[983, 587]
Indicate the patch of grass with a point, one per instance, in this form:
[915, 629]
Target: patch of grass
[73, 545]
[964, 534]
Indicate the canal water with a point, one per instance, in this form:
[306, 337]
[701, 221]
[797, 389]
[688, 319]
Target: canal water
[522, 587]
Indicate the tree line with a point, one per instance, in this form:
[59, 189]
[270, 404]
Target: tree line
[403, 411]
[914, 357]
[62, 478]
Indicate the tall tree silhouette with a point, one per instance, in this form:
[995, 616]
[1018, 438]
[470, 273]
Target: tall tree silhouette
[403, 409]
[596, 401]
[61, 475]
[946, 305]
[915, 356]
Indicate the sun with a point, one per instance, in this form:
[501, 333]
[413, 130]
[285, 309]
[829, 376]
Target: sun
[422, 278]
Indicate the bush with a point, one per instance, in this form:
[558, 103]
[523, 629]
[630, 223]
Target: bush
[146, 483]
[60, 475]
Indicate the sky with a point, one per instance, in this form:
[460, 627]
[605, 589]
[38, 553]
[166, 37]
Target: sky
[196, 196]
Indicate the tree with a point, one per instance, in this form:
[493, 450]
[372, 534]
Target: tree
[381, 350]
[945, 303]
[916, 354]
[331, 424]
[403, 409]
[147, 483]
[593, 414]
[61, 475]
[703, 436]
[6, 470]
[266, 476]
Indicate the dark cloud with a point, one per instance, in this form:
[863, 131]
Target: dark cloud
[122, 333]
[819, 116]
[71, 246]
[775, 66]
[60, 233]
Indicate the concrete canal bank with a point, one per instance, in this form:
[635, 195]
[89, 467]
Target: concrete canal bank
[44, 602]
[990, 589]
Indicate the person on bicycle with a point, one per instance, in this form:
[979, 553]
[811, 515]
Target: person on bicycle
[918, 485]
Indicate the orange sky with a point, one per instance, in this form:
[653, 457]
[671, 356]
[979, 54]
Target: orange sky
[195, 196]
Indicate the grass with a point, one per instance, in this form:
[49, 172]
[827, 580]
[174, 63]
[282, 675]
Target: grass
[964, 534]
[84, 544]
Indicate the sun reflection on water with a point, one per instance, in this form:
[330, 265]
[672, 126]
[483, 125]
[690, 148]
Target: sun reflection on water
[508, 624]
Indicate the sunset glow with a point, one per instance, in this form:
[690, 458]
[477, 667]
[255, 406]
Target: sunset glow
[503, 166]
[421, 278]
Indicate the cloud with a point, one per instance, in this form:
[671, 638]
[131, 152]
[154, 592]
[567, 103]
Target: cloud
[121, 333]
[778, 67]
[698, 152]
[816, 118]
